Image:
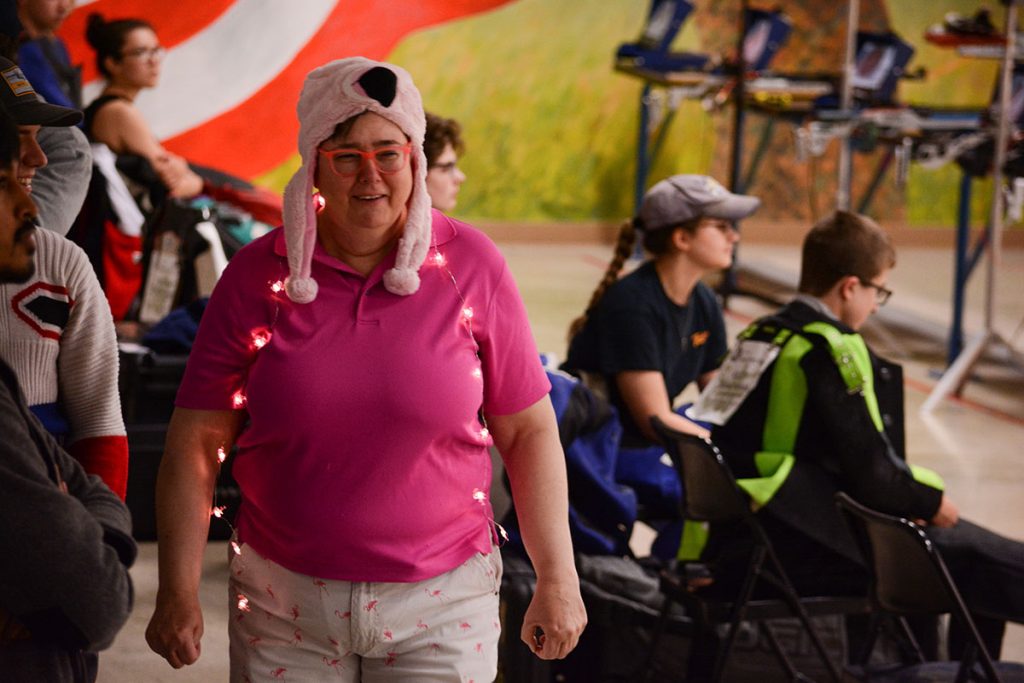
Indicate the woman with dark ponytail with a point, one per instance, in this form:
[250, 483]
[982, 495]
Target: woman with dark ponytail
[129, 56]
[645, 337]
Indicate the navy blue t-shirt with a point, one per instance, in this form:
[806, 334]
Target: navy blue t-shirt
[636, 326]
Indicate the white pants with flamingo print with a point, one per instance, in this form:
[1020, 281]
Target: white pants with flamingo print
[291, 627]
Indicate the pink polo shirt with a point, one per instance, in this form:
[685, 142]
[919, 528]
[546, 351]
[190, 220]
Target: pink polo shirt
[365, 459]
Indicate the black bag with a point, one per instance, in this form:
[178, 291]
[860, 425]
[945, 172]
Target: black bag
[177, 236]
[148, 384]
[601, 510]
[622, 601]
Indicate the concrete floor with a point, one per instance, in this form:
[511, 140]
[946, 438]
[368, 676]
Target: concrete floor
[975, 441]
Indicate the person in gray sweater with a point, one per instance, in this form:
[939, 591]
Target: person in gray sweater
[65, 538]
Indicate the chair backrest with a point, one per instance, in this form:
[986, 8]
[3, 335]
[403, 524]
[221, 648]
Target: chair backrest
[907, 571]
[710, 491]
[908, 574]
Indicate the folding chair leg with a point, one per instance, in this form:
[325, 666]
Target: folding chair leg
[780, 654]
[989, 668]
[816, 642]
[973, 655]
[963, 674]
[974, 652]
[862, 633]
[794, 602]
[911, 639]
[647, 669]
[738, 610]
[703, 656]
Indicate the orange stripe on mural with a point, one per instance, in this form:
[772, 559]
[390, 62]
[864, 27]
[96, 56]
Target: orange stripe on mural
[175, 22]
[259, 134]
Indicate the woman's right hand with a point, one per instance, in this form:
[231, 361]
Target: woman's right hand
[176, 628]
[184, 489]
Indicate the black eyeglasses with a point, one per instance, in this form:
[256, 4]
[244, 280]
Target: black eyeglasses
[882, 294]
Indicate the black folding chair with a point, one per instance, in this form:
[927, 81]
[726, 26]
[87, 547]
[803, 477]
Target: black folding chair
[908, 577]
[712, 495]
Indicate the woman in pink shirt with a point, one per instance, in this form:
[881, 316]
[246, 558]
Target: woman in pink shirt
[375, 347]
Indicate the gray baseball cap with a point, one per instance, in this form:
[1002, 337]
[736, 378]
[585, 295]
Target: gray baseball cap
[680, 198]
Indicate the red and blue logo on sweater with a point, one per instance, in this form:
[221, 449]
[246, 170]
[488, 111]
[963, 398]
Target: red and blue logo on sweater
[44, 307]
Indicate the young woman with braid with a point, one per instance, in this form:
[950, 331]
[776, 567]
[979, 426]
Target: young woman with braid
[645, 337]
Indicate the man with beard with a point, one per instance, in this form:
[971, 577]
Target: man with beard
[56, 329]
[65, 538]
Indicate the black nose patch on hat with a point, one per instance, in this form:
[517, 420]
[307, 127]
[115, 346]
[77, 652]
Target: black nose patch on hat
[381, 84]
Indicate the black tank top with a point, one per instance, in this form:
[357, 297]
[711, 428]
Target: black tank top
[94, 107]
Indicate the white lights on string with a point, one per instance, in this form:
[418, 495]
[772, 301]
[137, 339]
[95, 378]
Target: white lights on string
[259, 338]
[220, 511]
[438, 259]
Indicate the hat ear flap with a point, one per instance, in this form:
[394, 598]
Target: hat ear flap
[300, 234]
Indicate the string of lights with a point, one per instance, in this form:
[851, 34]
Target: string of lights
[261, 337]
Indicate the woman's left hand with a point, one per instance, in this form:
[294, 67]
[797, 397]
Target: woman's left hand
[555, 618]
[529, 446]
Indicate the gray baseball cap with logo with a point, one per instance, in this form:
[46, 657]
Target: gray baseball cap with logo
[680, 198]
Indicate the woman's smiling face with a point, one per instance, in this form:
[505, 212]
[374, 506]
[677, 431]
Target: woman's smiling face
[369, 199]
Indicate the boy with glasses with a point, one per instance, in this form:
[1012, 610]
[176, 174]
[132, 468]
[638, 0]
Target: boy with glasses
[802, 409]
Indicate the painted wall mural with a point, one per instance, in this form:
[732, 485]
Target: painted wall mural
[234, 68]
[550, 126]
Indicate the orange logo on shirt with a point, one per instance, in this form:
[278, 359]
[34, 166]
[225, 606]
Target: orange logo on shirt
[698, 339]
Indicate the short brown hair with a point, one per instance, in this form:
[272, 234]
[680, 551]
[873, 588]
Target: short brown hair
[441, 132]
[843, 244]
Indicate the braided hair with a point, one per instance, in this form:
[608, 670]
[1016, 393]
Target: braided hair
[656, 242]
